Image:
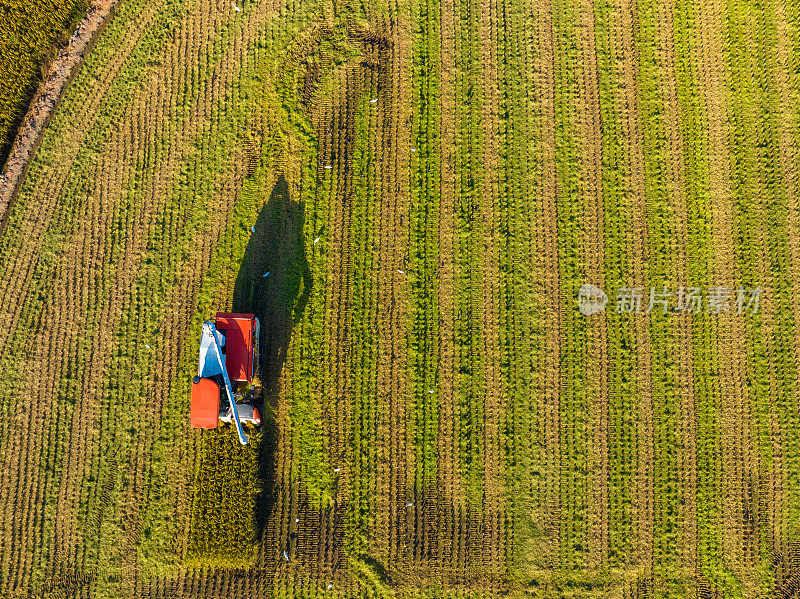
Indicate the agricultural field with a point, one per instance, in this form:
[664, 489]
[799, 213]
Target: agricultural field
[430, 185]
[31, 31]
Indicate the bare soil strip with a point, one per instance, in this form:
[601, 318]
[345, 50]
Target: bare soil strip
[594, 256]
[682, 322]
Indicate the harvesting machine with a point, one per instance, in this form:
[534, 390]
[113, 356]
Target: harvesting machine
[227, 382]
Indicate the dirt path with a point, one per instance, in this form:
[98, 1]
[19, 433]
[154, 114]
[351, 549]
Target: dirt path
[682, 322]
[594, 256]
[47, 97]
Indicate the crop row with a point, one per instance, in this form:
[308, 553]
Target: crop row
[164, 225]
[30, 32]
[62, 290]
[762, 249]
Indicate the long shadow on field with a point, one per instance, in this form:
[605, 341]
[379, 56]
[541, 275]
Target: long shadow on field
[279, 299]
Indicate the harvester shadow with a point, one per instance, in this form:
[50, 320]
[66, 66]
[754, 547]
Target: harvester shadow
[278, 300]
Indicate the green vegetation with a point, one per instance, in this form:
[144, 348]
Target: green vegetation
[190, 156]
[222, 529]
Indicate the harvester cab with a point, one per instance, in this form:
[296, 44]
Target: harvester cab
[227, 382]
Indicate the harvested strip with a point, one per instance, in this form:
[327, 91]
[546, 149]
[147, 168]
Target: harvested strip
[736, 443]
[783, 498]
[163, 178]
[48, 176]
[450, 499]
[392, 292]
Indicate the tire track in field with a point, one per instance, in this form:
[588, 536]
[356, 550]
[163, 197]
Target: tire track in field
[522, 340]
[736, 443]
[675, 177]
[493, 524]
[545, 255]
[451, 499]
[787, 86]
[321, 534]
[594, 257]
[630, 117]
[751, 413]
[424, 356]
[362, 454]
